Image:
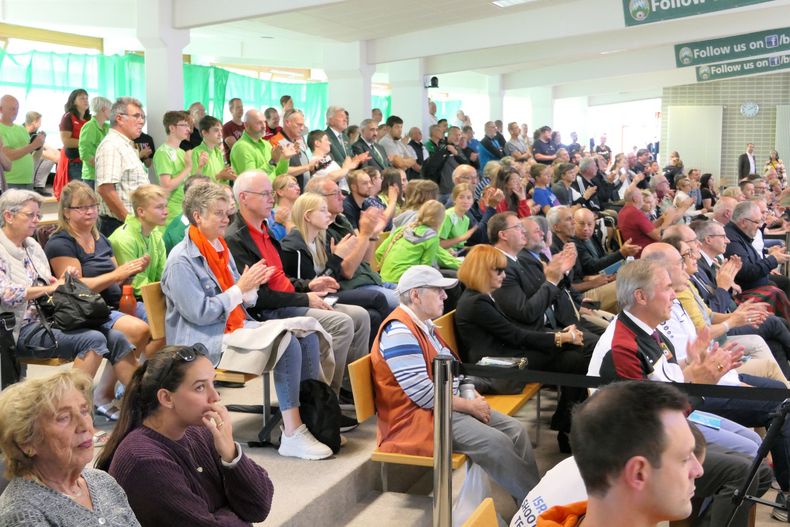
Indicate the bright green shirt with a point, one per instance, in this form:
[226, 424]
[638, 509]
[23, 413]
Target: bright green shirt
[175, 232]
[214, 165]
[169, 160]
[129, 243]
[21, 172]
[453, 227]
[248, 154]
[410, 246]
[91, 135]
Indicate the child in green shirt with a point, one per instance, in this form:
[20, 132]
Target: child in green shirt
[455, 228]
[173, 165]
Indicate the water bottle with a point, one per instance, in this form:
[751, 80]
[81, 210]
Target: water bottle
[128, 303]
[467, 391]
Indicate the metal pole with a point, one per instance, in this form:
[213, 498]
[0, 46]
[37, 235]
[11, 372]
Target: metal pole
[442, 442]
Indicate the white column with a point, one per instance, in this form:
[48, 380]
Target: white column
[164, 69]
[496, 98]
[349, 77]
[409, 95]
[542, 99]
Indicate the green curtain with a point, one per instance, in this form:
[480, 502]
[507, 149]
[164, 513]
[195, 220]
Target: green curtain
[383, 103]
[43, 81]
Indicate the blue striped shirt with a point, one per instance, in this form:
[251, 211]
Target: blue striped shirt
[401, 350]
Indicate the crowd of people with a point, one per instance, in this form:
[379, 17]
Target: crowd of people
[296, 252]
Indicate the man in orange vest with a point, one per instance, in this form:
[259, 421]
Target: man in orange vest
[402, 357]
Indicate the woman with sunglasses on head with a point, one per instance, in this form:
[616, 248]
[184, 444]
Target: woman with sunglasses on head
[486, 329]
[206, 299]
[173, 452]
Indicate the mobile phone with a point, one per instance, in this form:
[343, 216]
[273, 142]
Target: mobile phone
[331, 300]
[591, 304]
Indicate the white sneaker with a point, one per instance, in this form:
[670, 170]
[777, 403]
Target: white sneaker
[303, 445]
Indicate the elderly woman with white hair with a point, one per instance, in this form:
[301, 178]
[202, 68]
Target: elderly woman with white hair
[46, 441]
[91, 135]
[25, 276]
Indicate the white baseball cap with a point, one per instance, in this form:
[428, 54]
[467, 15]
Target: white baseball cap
[423, 276]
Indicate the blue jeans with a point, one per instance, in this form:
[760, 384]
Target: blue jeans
[107, 343]
[757, 413]
[388, 290]
[301, 361]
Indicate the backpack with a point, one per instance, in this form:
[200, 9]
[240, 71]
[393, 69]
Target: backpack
[10, 369]
[320, 411]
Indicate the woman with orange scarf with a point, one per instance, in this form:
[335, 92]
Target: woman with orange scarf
[205, 304]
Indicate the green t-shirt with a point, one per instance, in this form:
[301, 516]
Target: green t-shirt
[248, 154]
[21, 172]
[91, 135]
[129, 243]
[169, 160]
[214, 165]
[453, 227]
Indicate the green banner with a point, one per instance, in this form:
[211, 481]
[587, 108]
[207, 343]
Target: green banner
[740, 68]
[731, 48]
[639, 12]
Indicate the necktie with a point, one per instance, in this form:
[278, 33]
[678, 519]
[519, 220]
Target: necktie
[656, 337]
[376, 154]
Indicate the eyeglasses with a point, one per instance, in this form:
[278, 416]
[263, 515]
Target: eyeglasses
[499, 270]
[183, 125]
[84, 209]
[30, 215]
[756, 222]
[519, 226]
[688, 255]
[332, 194]
[266, 194]
[137, 116]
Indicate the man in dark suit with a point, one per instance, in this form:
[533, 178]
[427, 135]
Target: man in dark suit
[367, 143]
[714, 282]
[337, 122]
[589, 250]
[531, 298]
[746, 163]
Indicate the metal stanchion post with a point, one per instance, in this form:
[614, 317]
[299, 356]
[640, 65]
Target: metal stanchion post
[442, 442]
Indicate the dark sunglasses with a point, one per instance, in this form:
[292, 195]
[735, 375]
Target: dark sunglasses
[499, 270]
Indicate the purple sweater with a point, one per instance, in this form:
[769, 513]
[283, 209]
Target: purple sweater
[184, 482]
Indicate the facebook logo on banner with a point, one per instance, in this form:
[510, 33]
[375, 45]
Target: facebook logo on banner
[773, 61]
[771, 41]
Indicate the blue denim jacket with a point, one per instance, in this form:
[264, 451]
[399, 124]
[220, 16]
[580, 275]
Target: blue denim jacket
[197, 309]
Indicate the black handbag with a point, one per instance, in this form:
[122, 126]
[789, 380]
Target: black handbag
[74, 305]
[10, 370]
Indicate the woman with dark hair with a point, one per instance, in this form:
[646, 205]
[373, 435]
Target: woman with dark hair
[173, 452]
[508, 180]
[708, 190]
[564, 175]
[77, 114]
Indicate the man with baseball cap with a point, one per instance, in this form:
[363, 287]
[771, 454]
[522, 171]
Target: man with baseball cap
[402, 358]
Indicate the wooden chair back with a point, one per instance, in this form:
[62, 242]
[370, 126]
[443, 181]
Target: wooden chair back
[360, 373]
[155, 308]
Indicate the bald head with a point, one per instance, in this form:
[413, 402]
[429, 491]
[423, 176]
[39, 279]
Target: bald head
[254, 123]
[583, 224]
[722, 211]
[9, 108]
[681, 231]
[658, 251]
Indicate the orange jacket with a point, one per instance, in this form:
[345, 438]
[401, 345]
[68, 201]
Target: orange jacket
[563, 515]
[403, 427]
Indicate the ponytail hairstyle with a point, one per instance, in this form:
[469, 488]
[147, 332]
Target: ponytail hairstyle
[165, 370]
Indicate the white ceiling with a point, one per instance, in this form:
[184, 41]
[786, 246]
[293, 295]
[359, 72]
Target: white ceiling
[554, 43]
[353, 20]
